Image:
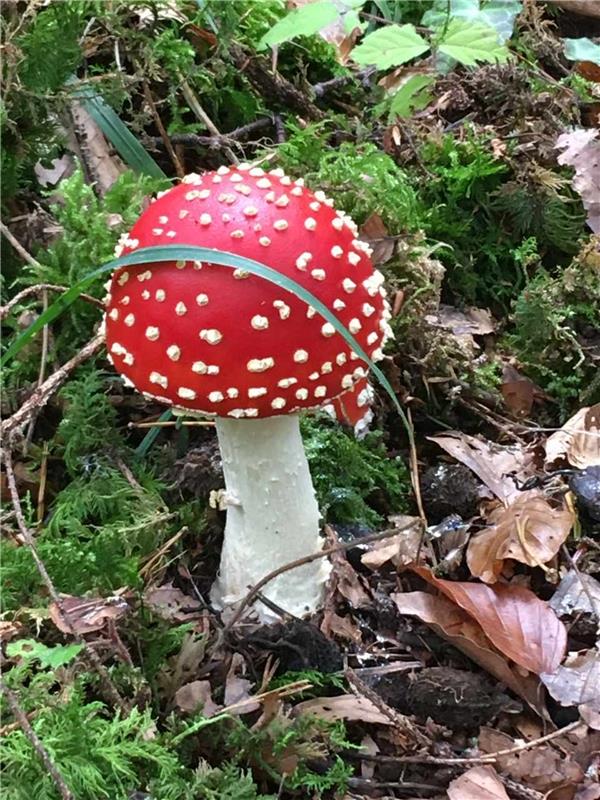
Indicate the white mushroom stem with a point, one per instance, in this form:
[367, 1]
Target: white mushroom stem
[272, 516]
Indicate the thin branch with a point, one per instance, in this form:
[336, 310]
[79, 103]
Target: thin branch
[29, 541]
[163, 133]
[43, 393]
[216, 141]
[39, 288]
[299, 562]
[18, 246]
[36, 743]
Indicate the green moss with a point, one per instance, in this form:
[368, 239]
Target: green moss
[354, 480]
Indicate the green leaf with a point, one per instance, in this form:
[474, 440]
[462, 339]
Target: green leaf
[150, 255]
[304, 21]
[49, 657]
[499, 14]
[470, 42]
[390, 46]
[582, 50]
[411, 95]
[118, 134]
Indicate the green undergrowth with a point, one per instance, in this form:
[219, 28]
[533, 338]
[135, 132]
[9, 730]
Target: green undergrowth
[106, 754]
[355, 481]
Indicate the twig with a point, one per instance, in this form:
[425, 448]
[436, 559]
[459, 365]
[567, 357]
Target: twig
[320, 89]
[42, 486]
[201, 114]
[490, 758]
[401, 722]
[196, 140]
[28, 539]
[18, 246]
[340, 547]
[163, 133]
[39, 288]
[43, 393]
[25, 725]
[170, 423]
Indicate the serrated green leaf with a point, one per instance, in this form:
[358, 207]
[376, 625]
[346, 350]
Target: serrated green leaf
[411, 96]
[117, 133]
[582, 50]
[390, 47]
[303, 21]
[49, 657]
[471, 42]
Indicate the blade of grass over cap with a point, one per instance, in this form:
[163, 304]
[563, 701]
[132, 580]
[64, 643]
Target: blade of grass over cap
[118, 134]
[148, 255]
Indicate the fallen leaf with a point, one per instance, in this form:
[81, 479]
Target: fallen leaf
[582, 152]
[584, 448]
[577, 681]
[343, 627]
[543, 767]
[518, 391]
[171, 603]
[472, 321]
[345, 578]
[478, 783]
[104, 166]
[337, 33]
[51, 176]
[345, 706]
[577, 593]
[493, 464]
[196, 696]
[237, 687]
[529, 530]
[519, 624]
[84, 614]
[374, 232]
[400, 550]
[464, 633]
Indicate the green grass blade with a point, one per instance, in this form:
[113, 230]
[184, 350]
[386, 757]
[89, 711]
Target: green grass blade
[118, 134]
[148, 255]
[149, 439]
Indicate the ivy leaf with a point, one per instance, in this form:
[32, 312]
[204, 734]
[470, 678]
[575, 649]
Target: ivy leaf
[390, 47]
[304, 21]
[413, 95]
[499, 14]
[52, 657]
[470, 42]
[582, 50]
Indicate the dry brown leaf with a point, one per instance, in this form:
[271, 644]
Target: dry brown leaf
[335, 33]
[493, 464]
[84, 614]
[458, 628]
[478, 783]
[342, 627]
[577, 681]
[518, 391]
[582, 152]
[401, 550]
[104, 166]
[345, 706]
[345, 578]
[237, 688]
[529, 531]
[472, 321]
[577, 593]
[542, 767]
[374, 232]
[578, 440]
[192, 697]
[519, 624]
[171, 603]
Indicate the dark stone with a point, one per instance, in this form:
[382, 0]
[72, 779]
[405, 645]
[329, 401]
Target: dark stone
[449, 489]
[585, 485]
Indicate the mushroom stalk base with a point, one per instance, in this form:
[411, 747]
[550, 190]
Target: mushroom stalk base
[272, 516]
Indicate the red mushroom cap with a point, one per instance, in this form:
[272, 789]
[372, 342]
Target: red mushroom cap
[354, 407]
[219, 341]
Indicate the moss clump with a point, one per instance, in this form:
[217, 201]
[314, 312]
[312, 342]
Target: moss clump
[355, 481]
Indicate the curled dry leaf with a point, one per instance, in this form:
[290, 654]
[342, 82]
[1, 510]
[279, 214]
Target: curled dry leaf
[345, 706]
[577, 681]
[401, 550]
[519, 624]
[85, 614]
[196, 696]
[582, 152]
[543, 767]
[493, 464]
[374, 232]
[171, 603]
[577, 593]
[578, 440]
[464, 633]
[237, 688]
[518, 391]
[529, 531]
[478, 783]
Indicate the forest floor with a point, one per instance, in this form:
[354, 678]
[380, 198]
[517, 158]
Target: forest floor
[456, 653]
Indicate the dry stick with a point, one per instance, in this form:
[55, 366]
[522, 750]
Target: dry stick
[52, 591]
[18, 246]
[43, 393]
[35, 741]
[201, 114]
[299, 562]
[38, 289]
[486, 759]
[163, 133]
[108, 685]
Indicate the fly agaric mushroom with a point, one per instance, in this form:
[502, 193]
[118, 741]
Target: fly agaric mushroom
[354, 407]
[225, 343]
